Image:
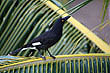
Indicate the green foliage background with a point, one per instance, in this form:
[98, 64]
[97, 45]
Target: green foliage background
[21, 21]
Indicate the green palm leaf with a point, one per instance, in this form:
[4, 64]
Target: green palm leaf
[104, 9]
[80, 63]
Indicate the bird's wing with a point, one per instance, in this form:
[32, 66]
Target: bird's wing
[44, 39]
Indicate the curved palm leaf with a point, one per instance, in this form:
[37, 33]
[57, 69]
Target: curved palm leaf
[80, 63]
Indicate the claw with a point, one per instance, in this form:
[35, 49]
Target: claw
[53, 57]
[43, 57]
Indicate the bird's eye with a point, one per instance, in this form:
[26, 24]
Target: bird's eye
[62, 20]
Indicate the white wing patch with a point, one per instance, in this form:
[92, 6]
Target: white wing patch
[24, 49]
[29, 48]
[37, 43]
[34, 44]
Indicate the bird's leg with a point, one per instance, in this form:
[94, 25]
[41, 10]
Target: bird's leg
[32, 51]
[41, 55]
[51, 54]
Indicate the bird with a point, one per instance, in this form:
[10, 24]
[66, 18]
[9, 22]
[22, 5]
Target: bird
[46, 39]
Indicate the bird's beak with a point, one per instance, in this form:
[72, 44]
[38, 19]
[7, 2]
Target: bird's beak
[65, 18]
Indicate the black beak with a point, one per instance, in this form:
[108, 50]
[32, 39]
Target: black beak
[66, 18]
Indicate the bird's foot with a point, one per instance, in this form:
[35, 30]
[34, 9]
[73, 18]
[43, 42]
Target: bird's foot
[43, 57]
[53, 57]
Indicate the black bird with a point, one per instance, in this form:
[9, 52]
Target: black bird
[47, 39]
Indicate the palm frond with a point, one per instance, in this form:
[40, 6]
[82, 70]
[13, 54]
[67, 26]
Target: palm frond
[80, 63]
[104, 9]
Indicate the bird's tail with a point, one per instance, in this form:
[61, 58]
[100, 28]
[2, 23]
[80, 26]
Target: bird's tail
[15, 52]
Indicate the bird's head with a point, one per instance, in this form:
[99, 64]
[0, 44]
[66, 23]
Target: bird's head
[65, 18]
[59, 22]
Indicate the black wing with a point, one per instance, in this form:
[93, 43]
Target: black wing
[46, 39]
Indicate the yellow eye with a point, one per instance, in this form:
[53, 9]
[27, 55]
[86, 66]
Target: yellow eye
[62, 20]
